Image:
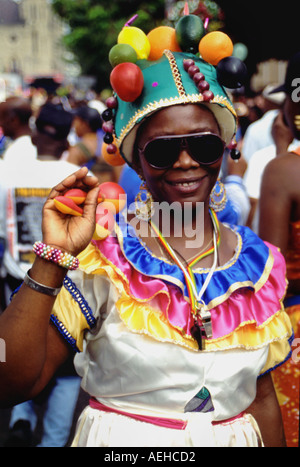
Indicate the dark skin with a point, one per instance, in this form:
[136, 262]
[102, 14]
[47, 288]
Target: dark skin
[89, 138]
[25, 324]
[35, 350]
[165, 184]
[280, 197]
[283, 137]
[14, 115]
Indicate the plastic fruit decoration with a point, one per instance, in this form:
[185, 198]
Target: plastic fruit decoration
[240, 51]
[137, 39]
[215, 46]
[189, 31]
[232, 72]
[127, 81]
[121, 53]
[67, 206]
[112, 195]
[76, 195]
[111, 154]
[161, 38]
[111, 200]
[105, 222]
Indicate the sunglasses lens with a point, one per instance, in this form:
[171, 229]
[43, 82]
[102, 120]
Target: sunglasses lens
[162, 153]
[206, 149]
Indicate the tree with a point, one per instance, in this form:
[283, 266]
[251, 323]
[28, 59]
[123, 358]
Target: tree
[94, 25]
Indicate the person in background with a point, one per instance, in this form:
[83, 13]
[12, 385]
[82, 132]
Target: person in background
[15, 114]
[279, 223]
[87, 151]
[259, 134]
[283, 140]
[25, 190]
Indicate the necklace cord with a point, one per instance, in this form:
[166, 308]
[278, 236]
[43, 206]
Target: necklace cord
[195, 299]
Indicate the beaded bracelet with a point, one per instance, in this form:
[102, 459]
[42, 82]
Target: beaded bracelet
[56, 256]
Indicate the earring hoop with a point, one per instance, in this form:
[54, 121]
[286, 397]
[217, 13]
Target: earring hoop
[218, 197]
[144, 206]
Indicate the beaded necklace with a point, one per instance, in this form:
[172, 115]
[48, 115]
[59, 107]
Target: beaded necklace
[198, 307]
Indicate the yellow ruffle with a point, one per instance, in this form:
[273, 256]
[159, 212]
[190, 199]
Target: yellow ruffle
[143, 319]
[69, 318]
[92, 261]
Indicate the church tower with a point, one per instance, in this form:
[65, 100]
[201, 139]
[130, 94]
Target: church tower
[31, 39]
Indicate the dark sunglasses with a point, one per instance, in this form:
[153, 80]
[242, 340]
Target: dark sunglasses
[162, 152]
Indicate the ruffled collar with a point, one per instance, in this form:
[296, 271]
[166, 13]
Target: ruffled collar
[249, 267]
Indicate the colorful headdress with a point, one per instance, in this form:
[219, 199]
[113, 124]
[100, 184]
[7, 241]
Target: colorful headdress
[149, 74]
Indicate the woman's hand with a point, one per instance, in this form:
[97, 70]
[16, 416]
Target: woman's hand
[237, 167]
[282, 135]
[71, 233]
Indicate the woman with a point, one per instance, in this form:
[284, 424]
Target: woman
[176, 341]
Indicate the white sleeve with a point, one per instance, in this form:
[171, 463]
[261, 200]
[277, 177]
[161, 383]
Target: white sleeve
[255, 170]
[237, 194]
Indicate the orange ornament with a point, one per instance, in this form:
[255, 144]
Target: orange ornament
[162, 38]
[115, 159]
[111, 196]
[215, 46]
[104, 223]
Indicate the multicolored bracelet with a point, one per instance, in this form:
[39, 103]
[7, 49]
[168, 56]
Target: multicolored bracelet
[50, 253]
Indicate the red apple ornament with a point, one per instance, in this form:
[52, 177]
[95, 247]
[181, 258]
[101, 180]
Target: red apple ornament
[127, 81]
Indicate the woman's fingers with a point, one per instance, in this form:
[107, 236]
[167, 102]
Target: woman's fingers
[78, 179]
[90, 203]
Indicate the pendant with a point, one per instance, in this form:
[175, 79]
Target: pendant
[197, 334]
[203, 331]
[206, 322]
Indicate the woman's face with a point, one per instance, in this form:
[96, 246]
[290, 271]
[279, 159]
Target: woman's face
[187, 180]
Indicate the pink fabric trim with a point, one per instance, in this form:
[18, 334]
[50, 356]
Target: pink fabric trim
[164, 422]
[229, 420]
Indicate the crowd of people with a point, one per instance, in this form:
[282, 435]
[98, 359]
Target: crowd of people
[256, 196]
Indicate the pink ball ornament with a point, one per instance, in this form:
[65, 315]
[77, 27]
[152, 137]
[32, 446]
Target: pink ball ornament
[187, 63]
[112, 102]
[207, 96]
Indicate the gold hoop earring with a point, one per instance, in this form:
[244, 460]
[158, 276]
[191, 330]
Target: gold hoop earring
[297, 122]
[144, 206]
[218, 197]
